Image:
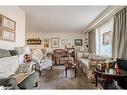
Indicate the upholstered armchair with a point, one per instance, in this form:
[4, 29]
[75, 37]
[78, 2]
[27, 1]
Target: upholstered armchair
[40, 59]
[59, 56]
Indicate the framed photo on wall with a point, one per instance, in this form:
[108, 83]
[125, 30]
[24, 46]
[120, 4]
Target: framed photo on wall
[54, 42]
[107, 38]
[78, 42]
[7, 35]
[7, 23]
[64, 41]
[46, 43]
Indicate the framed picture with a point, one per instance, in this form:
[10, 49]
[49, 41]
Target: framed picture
[107, 38]
[7, 23]
[64, 41]
[55, 42]
[46, 43]
[78, 42]
[7, 35]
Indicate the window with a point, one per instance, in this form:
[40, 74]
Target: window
[103, 39]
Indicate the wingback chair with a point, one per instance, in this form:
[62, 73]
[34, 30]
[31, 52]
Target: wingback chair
[41, 60]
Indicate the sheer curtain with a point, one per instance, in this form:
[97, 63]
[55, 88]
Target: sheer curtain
[101, 49]
[119, 48]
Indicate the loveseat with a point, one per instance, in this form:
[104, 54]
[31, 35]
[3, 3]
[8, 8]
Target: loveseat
[19, 76]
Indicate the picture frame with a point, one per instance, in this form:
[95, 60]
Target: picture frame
[107, 38]
[7, 23]
[54, 42]
[46, 43]
[78, 42]
[64, 41]
[7, 35]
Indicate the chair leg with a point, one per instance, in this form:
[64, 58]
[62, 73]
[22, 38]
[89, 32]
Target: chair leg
[66, 72]
[75, 72]
[51, 68]
[39, 72]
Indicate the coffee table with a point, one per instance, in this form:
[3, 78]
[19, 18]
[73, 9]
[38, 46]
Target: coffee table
[109, 74]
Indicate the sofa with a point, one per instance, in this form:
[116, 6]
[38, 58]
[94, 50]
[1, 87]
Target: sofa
[18, 76]
[88, 62]
[83, 60]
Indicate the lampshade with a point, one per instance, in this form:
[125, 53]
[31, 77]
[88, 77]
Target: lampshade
[26, 50]
[23, 50]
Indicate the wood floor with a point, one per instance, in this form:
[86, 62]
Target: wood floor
[55, 79]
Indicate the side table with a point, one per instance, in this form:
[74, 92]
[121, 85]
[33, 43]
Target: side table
[70, 65]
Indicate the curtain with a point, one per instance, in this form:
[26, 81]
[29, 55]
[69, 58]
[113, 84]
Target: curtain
[101, 48]
[91, 41]
[119, 39]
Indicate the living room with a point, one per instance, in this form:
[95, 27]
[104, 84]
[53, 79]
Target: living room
[63, 47]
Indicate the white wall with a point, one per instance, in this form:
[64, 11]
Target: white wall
[16, 14]
[85, 41]
[61, 35]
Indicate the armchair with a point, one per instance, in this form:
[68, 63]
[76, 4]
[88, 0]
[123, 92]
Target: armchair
[40, 59]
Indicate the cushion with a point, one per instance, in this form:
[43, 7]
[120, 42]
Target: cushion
[4, 53]
[122, 63]
[37, 54]
[86, 54]
[25, 68]
[80, 54]
[13, 52]
[30, 81]
[8, 66]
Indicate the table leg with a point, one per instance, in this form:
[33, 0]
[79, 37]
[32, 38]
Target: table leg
[106, 83]
[51, 67]
[75, 72]
[66, 72]
[96, 80]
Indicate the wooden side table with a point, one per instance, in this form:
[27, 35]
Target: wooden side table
[70, 65]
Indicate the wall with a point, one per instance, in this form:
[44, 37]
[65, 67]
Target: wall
[16, 14]
[86, 41]
[66, 35]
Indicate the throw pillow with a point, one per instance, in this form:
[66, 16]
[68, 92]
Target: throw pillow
[13, 52]
[80, 54]
[37, 54]
[25, 68]
[86, 55]
[4, 53]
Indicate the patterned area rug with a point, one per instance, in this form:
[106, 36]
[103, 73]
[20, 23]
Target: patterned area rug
[55, 79]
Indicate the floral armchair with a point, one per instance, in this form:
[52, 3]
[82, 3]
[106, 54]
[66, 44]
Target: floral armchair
[40, 59]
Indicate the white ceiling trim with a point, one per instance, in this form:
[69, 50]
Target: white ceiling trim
[108, 13]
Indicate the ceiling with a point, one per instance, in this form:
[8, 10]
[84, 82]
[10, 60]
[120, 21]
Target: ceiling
[60, 18]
